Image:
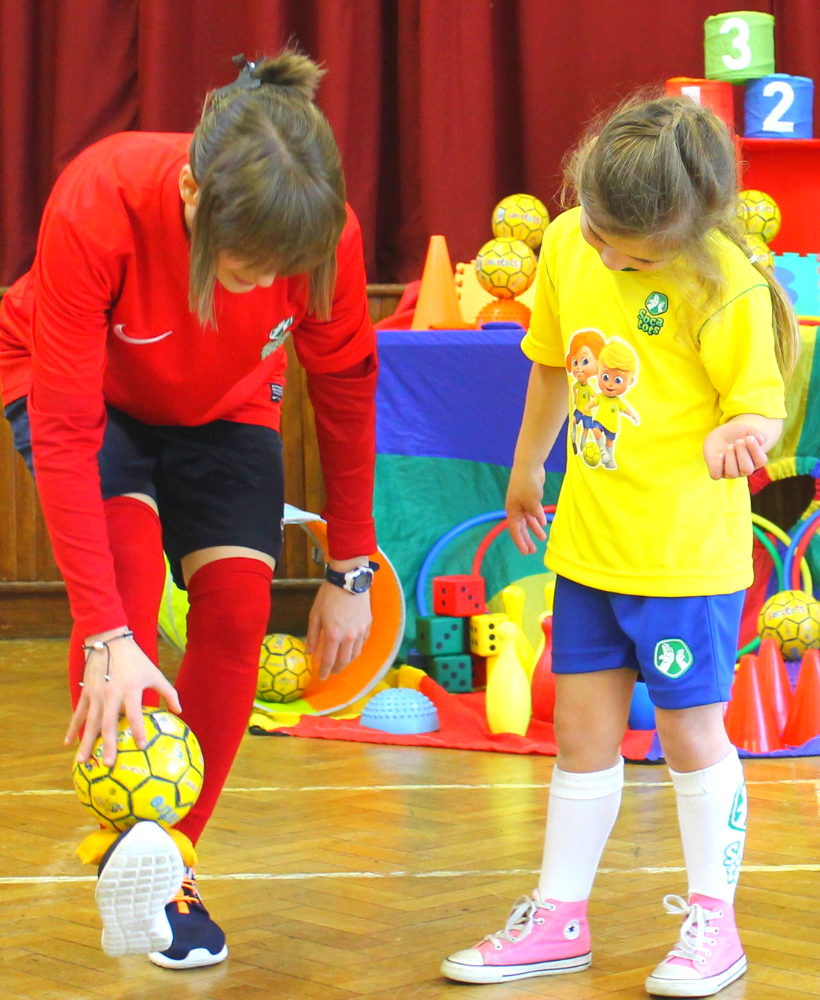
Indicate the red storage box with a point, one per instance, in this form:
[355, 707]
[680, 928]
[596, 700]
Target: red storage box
[788, 170]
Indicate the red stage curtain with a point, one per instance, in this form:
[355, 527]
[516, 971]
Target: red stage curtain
[440, 106]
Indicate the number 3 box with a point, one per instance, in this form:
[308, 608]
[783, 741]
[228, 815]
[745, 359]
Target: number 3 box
[739, 46]
[779, 107]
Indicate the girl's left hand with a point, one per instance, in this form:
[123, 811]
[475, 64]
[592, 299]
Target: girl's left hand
[734, 450]
[338, 627]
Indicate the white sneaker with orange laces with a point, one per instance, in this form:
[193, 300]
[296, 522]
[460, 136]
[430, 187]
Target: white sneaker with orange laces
[708, 955]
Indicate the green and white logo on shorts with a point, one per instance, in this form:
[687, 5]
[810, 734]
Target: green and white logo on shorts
[739, 810]
[673, 657]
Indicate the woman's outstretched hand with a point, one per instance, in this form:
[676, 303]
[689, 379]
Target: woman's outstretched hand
[102, 701]
[338, 627]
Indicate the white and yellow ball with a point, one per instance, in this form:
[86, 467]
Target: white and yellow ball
[521, 217]
[505, 268]
[285, 669]
[161, 782]
[759, 214]
[591, 452]
[792, 619]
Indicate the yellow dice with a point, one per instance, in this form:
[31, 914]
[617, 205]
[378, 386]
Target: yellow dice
[484, 634]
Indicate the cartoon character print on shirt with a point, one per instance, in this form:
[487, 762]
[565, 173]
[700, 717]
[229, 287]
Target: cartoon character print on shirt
[582, 364]
[617, 372]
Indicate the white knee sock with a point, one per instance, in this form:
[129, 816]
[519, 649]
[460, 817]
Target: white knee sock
[582, 811]
[712, 816]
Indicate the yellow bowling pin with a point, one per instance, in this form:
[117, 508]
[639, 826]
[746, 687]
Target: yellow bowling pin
[549, 595]
[514, 597]
[490, 664]
[508, 699]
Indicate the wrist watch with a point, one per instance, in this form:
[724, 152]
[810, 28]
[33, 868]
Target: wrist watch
[354, 581]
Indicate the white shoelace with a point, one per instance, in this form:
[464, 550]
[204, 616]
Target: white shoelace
[692, 943]
[520, 921]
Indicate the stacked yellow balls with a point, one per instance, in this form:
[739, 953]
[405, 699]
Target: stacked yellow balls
[759, 217]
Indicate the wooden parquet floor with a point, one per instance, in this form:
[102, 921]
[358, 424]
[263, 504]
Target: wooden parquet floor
[342, 870]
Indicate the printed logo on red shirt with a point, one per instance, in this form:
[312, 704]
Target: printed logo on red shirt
[278, 335]
[120, 327]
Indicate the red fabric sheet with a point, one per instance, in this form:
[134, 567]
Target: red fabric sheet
[463, 727]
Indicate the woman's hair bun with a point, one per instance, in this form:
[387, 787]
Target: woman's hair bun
[290, 69]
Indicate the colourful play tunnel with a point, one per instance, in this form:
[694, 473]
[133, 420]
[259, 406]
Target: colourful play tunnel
[358, 678]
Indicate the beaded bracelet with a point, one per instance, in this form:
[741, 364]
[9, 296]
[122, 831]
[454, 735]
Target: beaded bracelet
[99, 645]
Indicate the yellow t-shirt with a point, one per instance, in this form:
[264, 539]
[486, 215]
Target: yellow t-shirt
[642, 516]
[607, 411]
[581, 394]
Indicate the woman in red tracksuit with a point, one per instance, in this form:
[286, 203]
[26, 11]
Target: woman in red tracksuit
[142, 369]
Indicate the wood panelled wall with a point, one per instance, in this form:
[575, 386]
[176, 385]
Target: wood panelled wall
[32, 596]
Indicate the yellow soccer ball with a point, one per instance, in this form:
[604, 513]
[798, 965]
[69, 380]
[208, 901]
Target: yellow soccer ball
[792, 619]
[285, 669]
[520, 217]
[505, 268]
[759, 214]
[591, 453]
[160, 783]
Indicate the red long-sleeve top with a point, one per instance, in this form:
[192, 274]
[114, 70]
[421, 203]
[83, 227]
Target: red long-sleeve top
[103, 317]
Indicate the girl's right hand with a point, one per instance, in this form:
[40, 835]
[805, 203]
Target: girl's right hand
[102, 701]
[525, 512]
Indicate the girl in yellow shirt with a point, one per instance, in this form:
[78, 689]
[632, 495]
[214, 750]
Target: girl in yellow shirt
[652, 553]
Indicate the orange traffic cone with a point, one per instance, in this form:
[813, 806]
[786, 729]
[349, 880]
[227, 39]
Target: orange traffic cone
[437, 304]
[804, 718]
[749, 720]
[774, 681]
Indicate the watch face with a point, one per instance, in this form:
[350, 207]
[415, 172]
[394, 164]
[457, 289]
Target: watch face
[362, 578]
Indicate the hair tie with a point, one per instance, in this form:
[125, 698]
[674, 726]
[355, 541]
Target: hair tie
[244, 81]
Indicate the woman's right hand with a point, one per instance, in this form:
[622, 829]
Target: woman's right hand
[102, 701]
[525, 512]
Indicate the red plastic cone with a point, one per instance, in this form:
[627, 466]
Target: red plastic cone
[750, 722]
[804, 718]
[774, 681]
[437, 304]
[543, 679]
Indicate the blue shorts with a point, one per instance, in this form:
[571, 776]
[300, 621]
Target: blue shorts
[608, 434]
[216, 484]
[683, 647]
[583, 418]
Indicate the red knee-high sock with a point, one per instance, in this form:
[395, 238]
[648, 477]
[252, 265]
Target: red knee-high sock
[135, 537]
[230, 605]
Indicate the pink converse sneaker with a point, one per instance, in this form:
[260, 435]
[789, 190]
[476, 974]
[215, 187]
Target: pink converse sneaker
[708, 955]
[542, 937]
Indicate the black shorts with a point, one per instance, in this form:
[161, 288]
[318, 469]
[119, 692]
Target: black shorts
[218, 484]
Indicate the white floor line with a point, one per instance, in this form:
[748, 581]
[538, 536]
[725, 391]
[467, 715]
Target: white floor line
[269, 789]
[469, 873]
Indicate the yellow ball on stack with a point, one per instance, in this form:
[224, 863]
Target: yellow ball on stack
[521, 217]
[760, 250]
[505, 268]
[758, 214]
